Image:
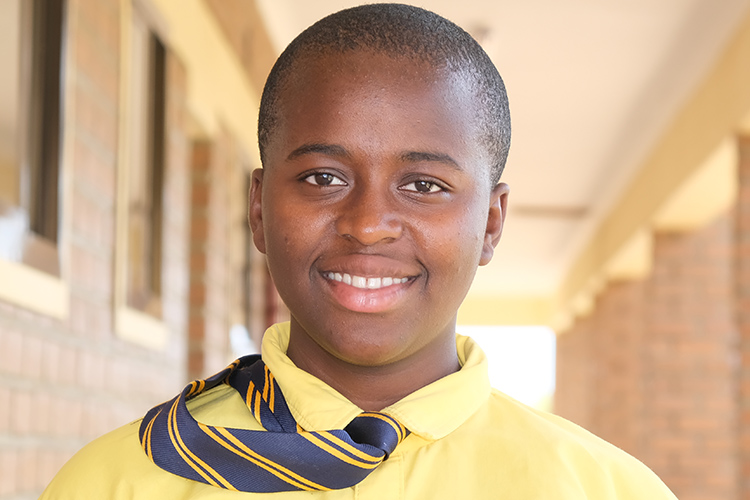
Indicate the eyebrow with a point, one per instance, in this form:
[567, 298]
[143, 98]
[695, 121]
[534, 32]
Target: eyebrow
[337, 151]
[320, 148]
[417, 156]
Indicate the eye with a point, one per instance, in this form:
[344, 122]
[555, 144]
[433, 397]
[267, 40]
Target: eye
[423, 187]
[324, 179]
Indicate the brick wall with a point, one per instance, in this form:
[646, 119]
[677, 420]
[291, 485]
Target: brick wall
[63, 383]
[742, 311]
[224, 265]
[690, 373]
[209, 262]
[653, 369]
[618, 400]
[574, 385]
[599, 368]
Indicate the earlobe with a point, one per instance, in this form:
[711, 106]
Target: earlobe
[495, 221]
[255, 210]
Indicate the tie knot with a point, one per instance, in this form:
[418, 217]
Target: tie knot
[377, 429]
[281, 458]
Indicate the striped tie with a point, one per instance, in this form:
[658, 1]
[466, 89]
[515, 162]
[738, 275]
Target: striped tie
[282, 458]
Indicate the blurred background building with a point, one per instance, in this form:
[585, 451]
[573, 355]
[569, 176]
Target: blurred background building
[127, 135]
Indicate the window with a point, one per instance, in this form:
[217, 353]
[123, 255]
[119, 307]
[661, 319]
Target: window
[145, 168]
[140, 178]
[31, 43]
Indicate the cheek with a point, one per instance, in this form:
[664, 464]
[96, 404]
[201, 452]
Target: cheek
[471, 235]
[282, 231]
[292, 233]
[457, 243]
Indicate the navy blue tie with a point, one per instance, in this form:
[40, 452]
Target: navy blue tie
[284, 457]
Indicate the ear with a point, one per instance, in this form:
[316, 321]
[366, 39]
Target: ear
[255, 210]
[495, 221]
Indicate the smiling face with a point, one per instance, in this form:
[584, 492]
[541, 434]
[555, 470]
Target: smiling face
[375, 208]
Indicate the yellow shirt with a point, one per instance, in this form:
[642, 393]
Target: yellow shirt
[467, 441]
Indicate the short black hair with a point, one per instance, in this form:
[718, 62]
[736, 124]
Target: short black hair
[399, 31]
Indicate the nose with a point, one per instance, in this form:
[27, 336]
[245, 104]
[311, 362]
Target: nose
[369, 217]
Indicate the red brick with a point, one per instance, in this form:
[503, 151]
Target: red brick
[20, 405]
[27, 470]
[5, 410]
[47, 463]
[39, 419]
[72, 420]
[68, 360]
[32, 358]
[50, 359]
[9, 465]
[10, 352]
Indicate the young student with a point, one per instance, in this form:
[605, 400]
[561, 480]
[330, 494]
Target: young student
[383, 132]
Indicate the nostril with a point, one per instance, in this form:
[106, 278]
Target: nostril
[369, 226]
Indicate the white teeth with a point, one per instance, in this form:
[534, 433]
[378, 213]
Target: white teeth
[359, 282]
[362, 282]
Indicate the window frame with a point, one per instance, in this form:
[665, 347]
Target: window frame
[31, 275]
[142, 326]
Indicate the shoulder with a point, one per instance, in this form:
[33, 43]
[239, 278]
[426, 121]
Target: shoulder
[560, 449]
[99, 467]
[115, 465]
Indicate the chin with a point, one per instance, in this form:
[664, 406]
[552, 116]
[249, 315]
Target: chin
[365, 353]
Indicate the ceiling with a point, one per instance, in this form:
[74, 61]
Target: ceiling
[592, 84]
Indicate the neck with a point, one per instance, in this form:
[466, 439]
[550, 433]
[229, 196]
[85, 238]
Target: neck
[374, 387]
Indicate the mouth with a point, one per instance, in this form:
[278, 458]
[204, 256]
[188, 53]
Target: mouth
[363, 282]
[367, 294]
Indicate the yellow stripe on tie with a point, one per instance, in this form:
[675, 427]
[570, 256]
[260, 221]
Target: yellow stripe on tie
[400, 429]
[190, 458]
[147, 439]
[147, 436]
[241, 449]
[176, 446]
[197, 386]
[249, 395]
[310, 436]
[262, 462]
[270, 404]
[351, 449]
[256, 408]
[143, 441]
[265, 383]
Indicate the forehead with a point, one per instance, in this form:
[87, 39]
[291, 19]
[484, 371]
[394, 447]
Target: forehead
[377, 96]
[359, 71]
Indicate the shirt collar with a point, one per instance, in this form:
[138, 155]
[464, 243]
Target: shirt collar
[432, 412]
